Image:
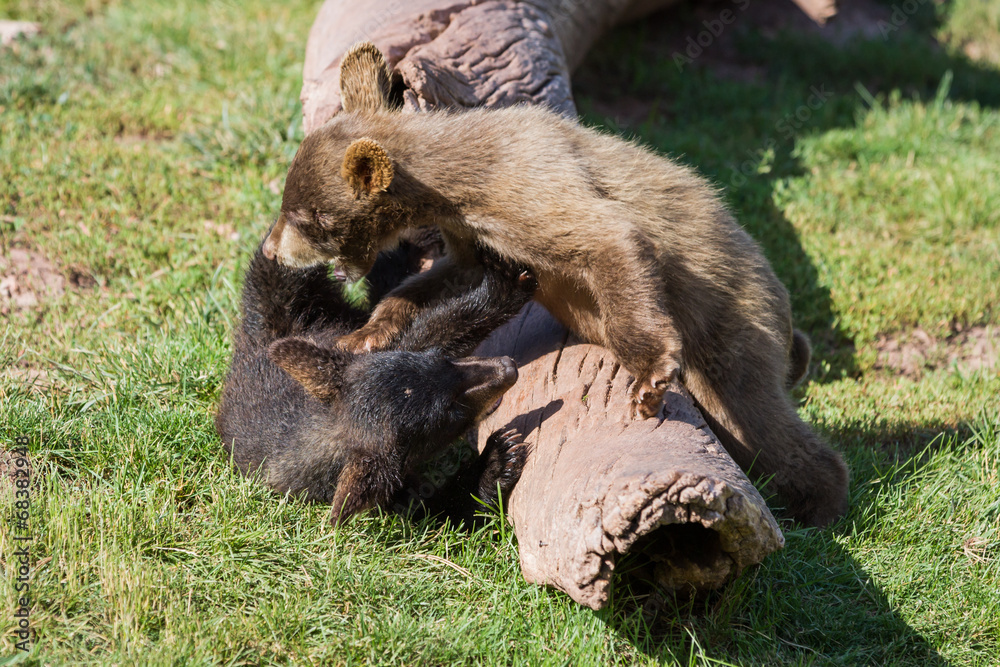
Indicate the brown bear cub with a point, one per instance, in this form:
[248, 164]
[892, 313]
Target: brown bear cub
[351, 429]
[631, 251]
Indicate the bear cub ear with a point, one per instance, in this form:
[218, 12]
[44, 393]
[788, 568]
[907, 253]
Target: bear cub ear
[358, 488]
[319, 370]
[367, 167]
[365, 79]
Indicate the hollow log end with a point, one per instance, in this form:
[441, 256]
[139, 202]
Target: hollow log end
[607, 500]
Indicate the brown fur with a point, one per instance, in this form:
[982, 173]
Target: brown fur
[370, 92]
[367, 168]
[318, 370]
[631, 250]
[799, 358]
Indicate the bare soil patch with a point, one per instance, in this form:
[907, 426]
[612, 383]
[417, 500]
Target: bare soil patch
[10, 472]
[854, 18]
[7, 465]
[708, 34]
[915, 352]
[625, 109]
[27, 279]
[11, 30]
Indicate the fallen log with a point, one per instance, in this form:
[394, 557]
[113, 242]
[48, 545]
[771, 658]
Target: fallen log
[598, 485]
[464, 53]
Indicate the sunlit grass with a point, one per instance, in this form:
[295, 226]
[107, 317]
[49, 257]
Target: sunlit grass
[143, 146]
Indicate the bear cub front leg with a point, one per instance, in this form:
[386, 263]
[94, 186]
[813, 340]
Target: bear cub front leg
[647, 392]
[644, 339]
[502, 462]
[396, 311]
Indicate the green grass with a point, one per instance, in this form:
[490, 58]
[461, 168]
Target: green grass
[141, 145]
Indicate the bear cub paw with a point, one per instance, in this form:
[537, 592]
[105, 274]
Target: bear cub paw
[647, 394]
[369, 338]
[504, 459]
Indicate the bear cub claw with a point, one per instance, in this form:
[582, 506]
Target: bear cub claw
[366, 339]
[647, 399]
[505, 456]
[647, 395]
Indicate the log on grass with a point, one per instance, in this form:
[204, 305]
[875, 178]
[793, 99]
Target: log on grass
[462, 54]
[598, 485]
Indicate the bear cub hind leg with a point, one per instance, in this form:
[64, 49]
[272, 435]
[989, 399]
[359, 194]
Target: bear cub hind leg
[748, 408]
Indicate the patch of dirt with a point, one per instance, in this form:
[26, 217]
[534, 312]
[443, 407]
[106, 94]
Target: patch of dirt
[221, 229]
[9, 464]
[707, 36]
[6, 465]
[26, 280]
[81, 278]
[625, 109]
[21, 377]
[11, 30]
[854, 18]
[915, 352]
[29, 377]
[11, 471]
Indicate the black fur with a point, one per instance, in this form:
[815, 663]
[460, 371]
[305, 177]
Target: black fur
[351, 429]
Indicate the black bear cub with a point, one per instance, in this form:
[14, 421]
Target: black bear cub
[351, 429]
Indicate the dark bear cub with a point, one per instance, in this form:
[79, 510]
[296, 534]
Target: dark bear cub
[350, 429]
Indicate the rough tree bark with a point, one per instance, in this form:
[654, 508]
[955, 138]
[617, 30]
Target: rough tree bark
[598, 485]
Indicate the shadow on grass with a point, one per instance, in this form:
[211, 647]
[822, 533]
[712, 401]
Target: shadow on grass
[768, 77]
[734, 111]
[812, 601]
